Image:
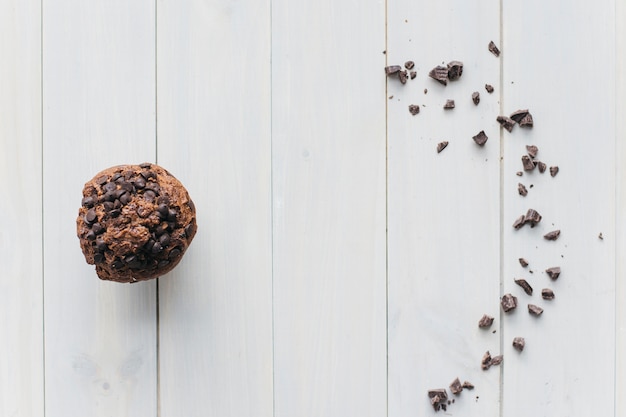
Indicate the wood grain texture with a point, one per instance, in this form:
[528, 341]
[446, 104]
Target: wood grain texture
[444, 209]
[214, 134]
[98, 96]
[328, 179]
[21, 289]
[568, 366]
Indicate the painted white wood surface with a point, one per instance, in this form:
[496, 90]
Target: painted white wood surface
[328, 180]
[444, 209]
[215, 321]
[98, 111]
[21, 287]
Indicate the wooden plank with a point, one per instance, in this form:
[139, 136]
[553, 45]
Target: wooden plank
[568, 366]
[328, 170]
[21, 288]
[214, 134]
[444, 209]
[99, 101]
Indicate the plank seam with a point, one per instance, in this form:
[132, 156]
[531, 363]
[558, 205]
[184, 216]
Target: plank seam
[43, 271]
[501, 192]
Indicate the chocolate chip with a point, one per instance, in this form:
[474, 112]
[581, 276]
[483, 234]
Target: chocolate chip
[508, 302]
[554, 272]
[164, 199]
[145, 165]
[553, 235]
[532, 150]
[109, 186]
[519, 173]
[148, 175]
[393, 69]
[528, 163]
[521, 189]
[163, 263]
[523, 262]
[101, 245]
[98, 257]
[480, 138]
[525, 286]
[191, 205]
[97, 228]
[127, 186]
[190, 229]
[414, 109]
[493, 48]
[403, 76]
[175, 253]
[541, 166]
[161, 228]
[109, 196]
[476, 97]
[153, 187]
[88, 201]
[519, 343]
[116, 176]
[108, 205]
[91, 216]
[140, 183]
[163, 209]
[455, 70]
[441, 146]
[489, 88]
[518, 115]
[449, 105]
[409, 65]
[91, 235]
[125, 198]
[164, 240]
[102, 180]
[554, 170]
[534, 310]
[506, 122]
[456, 387]
[156, 248]
[117, 264]
[485, 321]
[114, 213]
[149, 196]
[440, 74]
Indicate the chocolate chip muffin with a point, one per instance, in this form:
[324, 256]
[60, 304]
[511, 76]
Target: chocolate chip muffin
[135, 222]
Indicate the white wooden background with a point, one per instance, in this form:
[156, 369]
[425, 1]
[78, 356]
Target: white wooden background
[341, 264]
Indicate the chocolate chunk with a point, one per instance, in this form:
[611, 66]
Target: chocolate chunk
[485, 321]
[521, 189]
[519, 343]
[553, 235]
[161, 228]
[440, 74]
[153, 187]
[518, 115]
[163, 209]
[90, 216]
[532, 217]
[508, 302]
[523, 262]
[534, 310]
[554, 272]
[441, 146]
[480, 138]
[102, 179]
[145, 165]
[108, 205]
[88, 201]
[547, 294]
[493, 49]
[554, 170]
[489, 88]
[163, 263]
[519, 222]
[485, 362]
[496, 360]
[403, 76]
[527, 121]
[414, 109]
[412, 75]
[393, 69]
[468, 385]
[149, 245]
[476, 97]
[506, 122]
[116, 176]
[449, 105]
[456, 387]
[455, 70]
[528, 163]
[438, 398]
[532, 150]
[541, 166]
[525, 286]
[409, 65]
[127, 186]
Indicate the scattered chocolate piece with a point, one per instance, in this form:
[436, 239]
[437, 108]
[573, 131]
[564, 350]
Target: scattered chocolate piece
[393, 69]
[489, 88]
[485, 321]
[547, 294]
[525, 286]
[439, 73]
[523, 262]
[438, 398]
[412, 74]
[519, 222]
[532, 150]
[527, 121]
[403, 76]
[493, 49]
[542, 167]
[414, 109]
[456, 387]
[508, 302]
[441, 146]
[426, 91]
[519, 343]
[534, 310]
[409, 65]
[519, 173]
[449, 104]
[532, 217]
[521, 189]
[496, 360]
[600, 236]
[480, 138]
[554, 170]
[528, 163]
[486, 361]
[554, 272]
[518, 115]
[553, 235]
[506, 122]
[468, 385]
[476, 97]
[455, 70]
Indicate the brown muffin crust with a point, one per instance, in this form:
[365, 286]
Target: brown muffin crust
[135, 222]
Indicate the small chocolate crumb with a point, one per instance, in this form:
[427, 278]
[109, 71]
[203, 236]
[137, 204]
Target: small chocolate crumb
[480, 138]
[519, 173]
[532, 150]
[506, 122]
[476, 97]
[409, 65]
[508, 302]
[493, 49]
[468, 385]
[554, 272]
[534, 310]
[449, 104]
[489, 88]
[485, 321]
[441, 146]
[393, 69]
[525, 286]
[541, 166]
[414, 109]
[547, 294]
[456, 387]
[553, 235]
[523, 262]
[554, 170]
[519, 343]
[426, 91]
[528, 163]
[521, 189]
[455, 70]
[440, 74]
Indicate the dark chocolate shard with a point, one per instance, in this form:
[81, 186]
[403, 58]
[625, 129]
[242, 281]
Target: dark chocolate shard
[414, 109]
[508, 302]
[412, 74]
[532, 150]
[493, 48]
[521, 189]
[476, 97]
[547, 294]
[438, 398]
[532, 217]
[554, 272]
[468, 385]
[541, 166]
[449, 105]
[519, 343]
[525, 286]
[518, 115]
[409, 65]
[455, 70]
[456, 387]
[480, 138]
[527, 121]
[485, 321]
[554, 170]
[553, 235]
[489, 88]
[519, 222]
[534, 310]
[403, 76]
[506, 122]
[393, 69]
[528, 163]
[440, 74]
[485, 362]
[497, 360]
[523, 262]
[441, 146]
